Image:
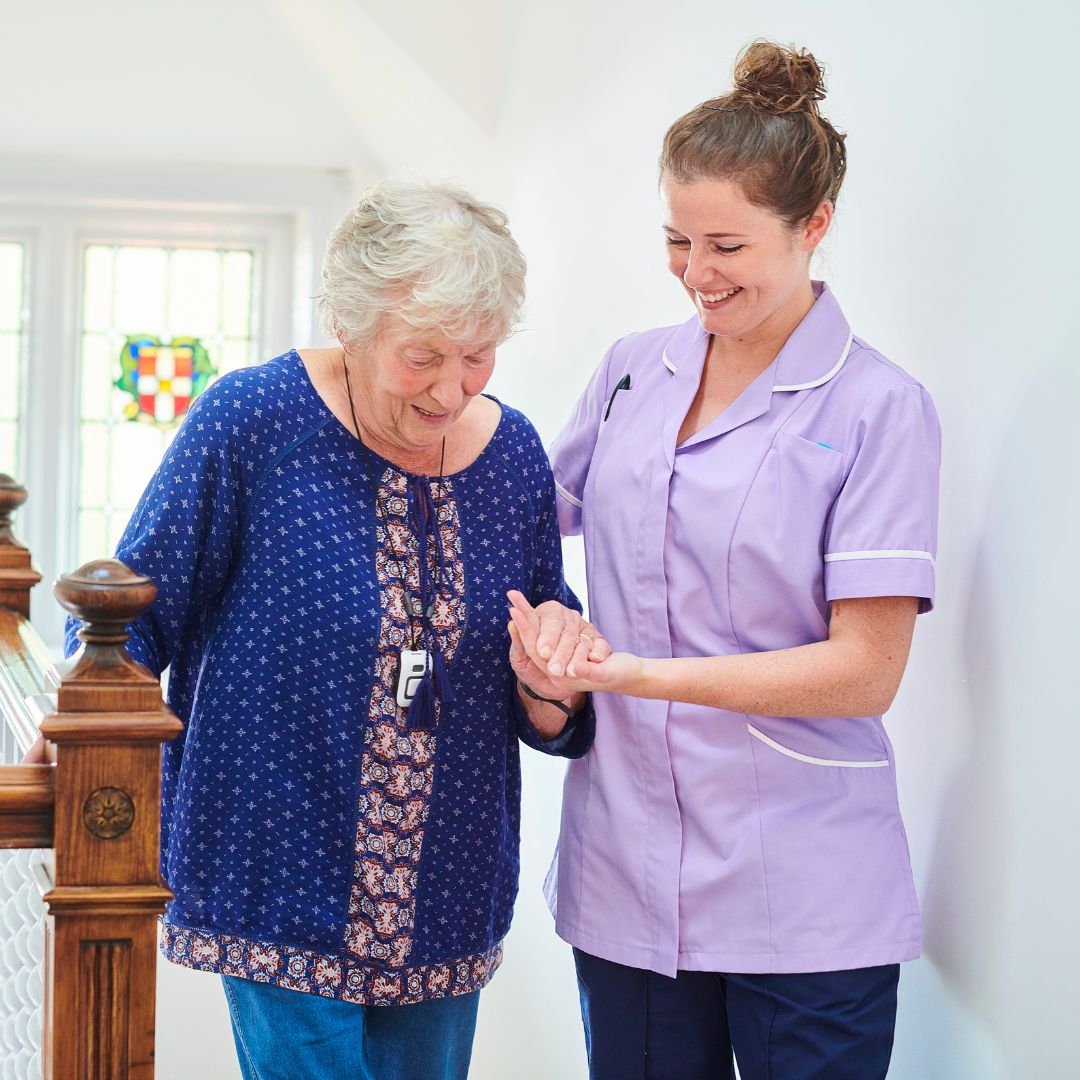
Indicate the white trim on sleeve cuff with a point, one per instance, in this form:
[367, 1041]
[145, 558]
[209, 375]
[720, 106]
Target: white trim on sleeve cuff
[898, 553]
[568, 497]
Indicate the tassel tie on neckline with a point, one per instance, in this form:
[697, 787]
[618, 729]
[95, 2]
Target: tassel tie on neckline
[435, 683]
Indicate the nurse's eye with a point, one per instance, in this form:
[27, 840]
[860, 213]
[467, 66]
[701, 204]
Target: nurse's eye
[676, 241]
[727, 250]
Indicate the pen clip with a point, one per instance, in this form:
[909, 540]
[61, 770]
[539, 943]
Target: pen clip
[624, 384]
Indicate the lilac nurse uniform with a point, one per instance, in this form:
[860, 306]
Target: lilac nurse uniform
[701, 839]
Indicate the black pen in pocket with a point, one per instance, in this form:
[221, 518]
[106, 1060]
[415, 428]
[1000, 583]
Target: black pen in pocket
[624, 384]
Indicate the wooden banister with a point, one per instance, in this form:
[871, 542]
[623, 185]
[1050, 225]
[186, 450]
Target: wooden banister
[108, 729]
[27, 797]
[17, 576]
[96, 806]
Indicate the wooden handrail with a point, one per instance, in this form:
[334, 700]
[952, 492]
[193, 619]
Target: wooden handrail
[28, 678]
[27, 797]
[17, 575]
[96, 806]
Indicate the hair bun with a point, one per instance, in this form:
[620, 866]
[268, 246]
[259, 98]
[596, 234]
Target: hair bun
[776, 79]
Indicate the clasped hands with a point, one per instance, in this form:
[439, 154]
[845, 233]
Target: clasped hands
[557, 653]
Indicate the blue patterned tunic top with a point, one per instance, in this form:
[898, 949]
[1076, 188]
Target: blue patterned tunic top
[314, 839]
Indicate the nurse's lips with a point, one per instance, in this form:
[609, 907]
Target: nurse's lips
[713, 301]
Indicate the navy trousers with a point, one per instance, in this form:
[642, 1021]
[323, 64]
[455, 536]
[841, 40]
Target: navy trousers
[830, 1025]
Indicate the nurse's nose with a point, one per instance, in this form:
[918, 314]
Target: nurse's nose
[699, 271]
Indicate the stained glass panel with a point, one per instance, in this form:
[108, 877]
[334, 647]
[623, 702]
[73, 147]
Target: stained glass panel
[160, 294]
[12, 349]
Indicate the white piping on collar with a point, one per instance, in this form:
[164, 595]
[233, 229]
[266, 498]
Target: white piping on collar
[668, 364]
[828, 375]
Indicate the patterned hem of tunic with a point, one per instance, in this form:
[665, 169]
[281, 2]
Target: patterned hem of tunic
[326, 975]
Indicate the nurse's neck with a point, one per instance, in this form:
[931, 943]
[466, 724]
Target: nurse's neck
[750, 352]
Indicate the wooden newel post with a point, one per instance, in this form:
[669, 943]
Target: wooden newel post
[17, 576]
[108, 729]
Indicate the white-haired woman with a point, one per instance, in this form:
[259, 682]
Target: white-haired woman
[333, 534]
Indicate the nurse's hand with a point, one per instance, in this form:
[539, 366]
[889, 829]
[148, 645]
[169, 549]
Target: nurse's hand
[557, 641]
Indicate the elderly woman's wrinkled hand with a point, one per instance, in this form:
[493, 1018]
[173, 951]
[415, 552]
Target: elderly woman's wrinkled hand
[563, 649]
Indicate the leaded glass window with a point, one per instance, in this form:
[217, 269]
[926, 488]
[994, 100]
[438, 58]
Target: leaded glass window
[158, 322]
[12, 350]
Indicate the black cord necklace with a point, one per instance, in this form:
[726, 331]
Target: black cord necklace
[422, 663]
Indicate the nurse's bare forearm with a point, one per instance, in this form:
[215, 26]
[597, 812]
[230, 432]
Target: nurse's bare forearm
[854, 673]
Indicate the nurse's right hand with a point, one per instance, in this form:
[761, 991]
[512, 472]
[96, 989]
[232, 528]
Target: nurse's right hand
[556, 636]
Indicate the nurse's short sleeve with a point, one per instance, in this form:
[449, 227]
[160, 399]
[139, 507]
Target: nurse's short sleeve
[881, 536]
[571, 452]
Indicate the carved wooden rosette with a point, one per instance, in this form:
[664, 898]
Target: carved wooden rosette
[17, 576]
[108, 731]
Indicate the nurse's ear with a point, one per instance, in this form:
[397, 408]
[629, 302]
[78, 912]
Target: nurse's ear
[811, 231]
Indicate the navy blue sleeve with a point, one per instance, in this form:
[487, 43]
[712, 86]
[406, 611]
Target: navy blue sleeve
[549, 584]
[184, 531]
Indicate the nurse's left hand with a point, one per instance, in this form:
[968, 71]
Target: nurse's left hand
[568, 649]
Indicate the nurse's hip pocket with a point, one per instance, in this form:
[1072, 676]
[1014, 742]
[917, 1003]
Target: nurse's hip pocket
[835, 863]
[881, 761]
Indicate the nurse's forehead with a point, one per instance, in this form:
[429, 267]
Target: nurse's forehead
[709, 208]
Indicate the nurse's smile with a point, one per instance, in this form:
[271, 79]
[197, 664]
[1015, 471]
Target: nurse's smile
[715, 301]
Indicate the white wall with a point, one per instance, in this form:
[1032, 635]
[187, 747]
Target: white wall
[954, 251]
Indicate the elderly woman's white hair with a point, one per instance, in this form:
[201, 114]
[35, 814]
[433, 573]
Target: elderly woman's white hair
[430, 253]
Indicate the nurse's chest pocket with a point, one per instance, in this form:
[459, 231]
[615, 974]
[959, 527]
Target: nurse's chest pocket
[778, 542]
[797, 483]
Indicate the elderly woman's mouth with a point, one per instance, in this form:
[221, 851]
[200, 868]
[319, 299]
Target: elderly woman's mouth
[432, 417]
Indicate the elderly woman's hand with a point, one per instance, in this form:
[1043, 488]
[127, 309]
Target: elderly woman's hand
[556, 652]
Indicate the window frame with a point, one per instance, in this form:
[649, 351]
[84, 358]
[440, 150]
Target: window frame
[284, 217]
[25, 238]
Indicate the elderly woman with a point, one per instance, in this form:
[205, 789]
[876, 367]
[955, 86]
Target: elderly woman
[333, 534]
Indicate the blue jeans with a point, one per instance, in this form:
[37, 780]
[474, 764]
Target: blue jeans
[290, 1035]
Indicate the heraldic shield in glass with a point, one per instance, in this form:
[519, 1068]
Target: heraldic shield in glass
[163, 380]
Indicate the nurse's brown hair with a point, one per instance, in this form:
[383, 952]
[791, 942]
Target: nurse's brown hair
[766, 133]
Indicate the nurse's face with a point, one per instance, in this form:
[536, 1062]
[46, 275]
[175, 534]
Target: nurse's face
[746, 271]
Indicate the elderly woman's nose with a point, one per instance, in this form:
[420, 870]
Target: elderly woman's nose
[449, 389]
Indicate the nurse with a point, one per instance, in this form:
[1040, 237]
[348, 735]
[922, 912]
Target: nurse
[758, 493]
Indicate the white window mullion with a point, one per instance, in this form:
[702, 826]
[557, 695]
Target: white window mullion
[50, 413]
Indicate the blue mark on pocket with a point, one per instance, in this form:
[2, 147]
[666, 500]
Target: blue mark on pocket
[828, 447]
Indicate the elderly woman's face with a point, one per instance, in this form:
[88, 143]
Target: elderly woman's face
[420, 382]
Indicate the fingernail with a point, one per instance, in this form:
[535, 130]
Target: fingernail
[571, 672]
[545, 651]
[554, 669]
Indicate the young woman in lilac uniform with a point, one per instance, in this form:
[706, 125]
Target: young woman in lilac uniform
[757, 489]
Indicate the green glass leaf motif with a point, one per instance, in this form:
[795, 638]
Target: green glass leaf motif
[162, 380]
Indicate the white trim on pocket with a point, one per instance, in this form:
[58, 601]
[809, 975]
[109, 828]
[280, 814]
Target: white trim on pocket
[815, 760]
[568, 497]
